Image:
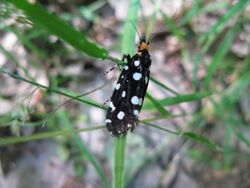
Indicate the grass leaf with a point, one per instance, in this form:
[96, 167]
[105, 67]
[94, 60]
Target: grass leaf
[54, 25]
[211, 35]
[158, 105]
[243, 138]
[180, 99]
[63, 120]
[55, 90]
[223, 48]
[163, 85]
[200, 139]
[39, 136]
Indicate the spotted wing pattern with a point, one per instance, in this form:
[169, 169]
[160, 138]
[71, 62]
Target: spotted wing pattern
[127, 99]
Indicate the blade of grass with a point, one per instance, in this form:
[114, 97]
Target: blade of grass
[64, 121]
[200, 139]
[180, 99]
[228, 140]
[158, 105]
[196, 8]
[13, 59]
[161, 128]
[128, 38]
[243, 138]
[197, 61]
[233, 93]
[213, 32]
[27, 42]
[223, 49]
[215, 6]
[119, 161]
[55, 90]
[172, 27]
[17, 140]
[128, 47]
[185, 98]
[58, 27]
[163, 86]
[189, 135]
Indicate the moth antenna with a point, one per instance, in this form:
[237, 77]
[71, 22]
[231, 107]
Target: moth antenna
[154, 35]
[136, 30]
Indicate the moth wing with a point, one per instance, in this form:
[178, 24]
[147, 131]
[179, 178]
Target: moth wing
[128, 96]
[119, 119]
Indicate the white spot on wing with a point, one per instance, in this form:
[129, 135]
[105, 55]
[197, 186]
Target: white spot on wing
[111, 105]
[146, 80]
[126, 67]
[135, 100]
[137, 76]
[108, 121]
[123, 94]
[136, 112]
[129, 125]
[137, 63]
[120, 115]
[117, 86]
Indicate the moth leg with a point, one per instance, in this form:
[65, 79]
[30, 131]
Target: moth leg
[112, 68]
[127, 57]
[105, 102]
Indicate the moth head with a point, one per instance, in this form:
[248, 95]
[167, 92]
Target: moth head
[143, 45]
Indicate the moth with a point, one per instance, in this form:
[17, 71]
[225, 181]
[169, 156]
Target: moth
[128, 96]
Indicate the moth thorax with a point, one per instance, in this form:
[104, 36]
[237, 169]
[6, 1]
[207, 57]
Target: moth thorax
[143, 46]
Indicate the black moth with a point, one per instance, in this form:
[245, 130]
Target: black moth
[127, 99]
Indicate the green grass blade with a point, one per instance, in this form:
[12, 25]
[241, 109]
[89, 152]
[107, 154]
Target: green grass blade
[185, 98]
[158, 105]
[17, 140]
[223, 49]
[243, 138]
[193, 12]
[172, 27]
[58, 27]
[180, 99]
[86, 154]
[215, 6]
[26, 42]
[197, 61]
[55, 90]
[190, 135]
[128, 39]
[161, 128]
[200, 139]
[227, 142]
[236, 90]
[128, 47]
[119, 160]
[211, 35]
[163, 86]
[13, 59]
